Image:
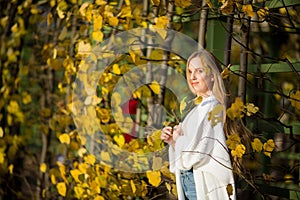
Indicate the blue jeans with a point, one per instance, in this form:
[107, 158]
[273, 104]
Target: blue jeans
[188, 184]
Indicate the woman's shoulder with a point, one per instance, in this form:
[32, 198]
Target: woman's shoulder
[210, 101]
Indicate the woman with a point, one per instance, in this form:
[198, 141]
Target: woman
[198, 154]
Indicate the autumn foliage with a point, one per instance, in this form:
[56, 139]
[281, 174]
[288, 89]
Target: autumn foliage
[44, 49]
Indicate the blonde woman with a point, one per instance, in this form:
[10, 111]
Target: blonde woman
[198, 154]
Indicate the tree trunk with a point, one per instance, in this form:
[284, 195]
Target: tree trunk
[244, 57]
[203, 24]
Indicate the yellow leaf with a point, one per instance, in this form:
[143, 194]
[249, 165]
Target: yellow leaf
[43, 167]
[182, 105]
[64, 138]
[98, 36]
[251, 109]
[162, 22]
[154, 177]
[78, 192]
[113, 21]
[99, 198]
[2, 155]
[225, 73]
[75, 174]
[132, 186]
[53, 179]
[83, 7]
[61, 188]
[227, 6]
[239, 151]
[1, 132]
[95, 187]
[248, 9]
[215, 116]
[229, 189]
[233, 140]
[257, 145]
[116, 69]
[169, 187]
[11, 168]
[81, 152]
[236, 109]
[119, 139]
[90, 159]
[183, 3]
[98, 22]
[263, 12]
[125, 12]
[60, 13]
[198, 100]
[269, 147]
[105, 156]
[84, 48]
[26, 98]
[295, 99]
[155, 2]
[101, 2]
[155, 87]
[13, 107]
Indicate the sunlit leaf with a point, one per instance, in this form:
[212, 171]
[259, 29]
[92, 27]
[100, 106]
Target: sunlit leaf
[269, 147]
[64, 138]
[113, 21]
[183, 3]
[98, 36]
[183, 105]
[155, 87]
[133, 187]
[61, 188]
[257, 145]
[105, 156]
[83, 7]
[263, 12]
[233, 140]
[225, 73]
[155, 2]
[227, 6]
[295, 99]
[60, 13]
[251, 109]
[239, 151]
[215, 116]
[119, 139]
[248, 9]
[2, 154]
[11, 168]
[116, 69]
[43, 167]
[98, 22]
[90, 159]
[1, 132]
[154, 177]
[84, 48]
[236, 109]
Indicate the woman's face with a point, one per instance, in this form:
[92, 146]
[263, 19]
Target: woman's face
[199, 77]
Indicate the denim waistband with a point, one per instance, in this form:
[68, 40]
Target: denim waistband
[186, 171]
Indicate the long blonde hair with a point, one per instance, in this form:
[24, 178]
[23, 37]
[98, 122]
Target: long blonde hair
[208, 60]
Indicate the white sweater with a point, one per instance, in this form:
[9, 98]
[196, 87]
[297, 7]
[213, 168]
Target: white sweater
[203, 148]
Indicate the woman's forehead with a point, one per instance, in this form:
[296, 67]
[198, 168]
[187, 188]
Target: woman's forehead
[197, 62]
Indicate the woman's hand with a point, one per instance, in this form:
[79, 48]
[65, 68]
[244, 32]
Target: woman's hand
[167, 134]
[177, 132]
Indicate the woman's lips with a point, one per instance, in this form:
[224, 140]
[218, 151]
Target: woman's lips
[194, 83]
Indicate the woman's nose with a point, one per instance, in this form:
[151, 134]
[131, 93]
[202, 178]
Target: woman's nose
[192, 76]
